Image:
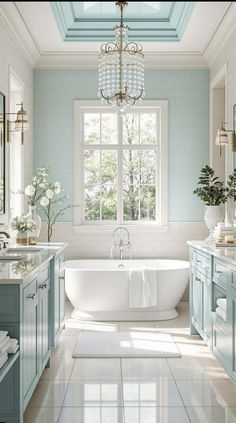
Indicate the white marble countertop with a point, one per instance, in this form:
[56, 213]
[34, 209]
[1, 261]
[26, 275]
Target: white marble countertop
[19, 271]
[226, 253]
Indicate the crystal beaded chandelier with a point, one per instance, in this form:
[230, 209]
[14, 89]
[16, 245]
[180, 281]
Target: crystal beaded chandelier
[121, 69]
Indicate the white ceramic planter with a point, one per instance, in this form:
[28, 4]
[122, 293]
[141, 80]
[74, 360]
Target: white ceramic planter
[213, 215]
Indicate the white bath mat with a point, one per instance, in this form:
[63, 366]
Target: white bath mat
[125, 344]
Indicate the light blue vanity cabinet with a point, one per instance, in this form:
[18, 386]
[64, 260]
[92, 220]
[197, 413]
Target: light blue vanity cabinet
[213, 276]
[200, 295]
[35, 331]
[31, 310]
[24, 313]
[57, 297]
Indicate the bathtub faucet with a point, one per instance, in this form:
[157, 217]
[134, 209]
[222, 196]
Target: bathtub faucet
[123, 241]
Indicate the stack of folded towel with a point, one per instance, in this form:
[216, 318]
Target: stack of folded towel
[224, 233]
[7, 346]
[221, 308]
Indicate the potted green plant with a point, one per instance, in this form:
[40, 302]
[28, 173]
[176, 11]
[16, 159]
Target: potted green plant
[214, 193]
[23, 225]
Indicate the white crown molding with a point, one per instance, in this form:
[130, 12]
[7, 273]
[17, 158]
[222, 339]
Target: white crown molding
[223, 33]
[15, 25]
[153, 60]
[13, 21]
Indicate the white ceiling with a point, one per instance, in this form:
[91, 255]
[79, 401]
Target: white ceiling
[35, 28]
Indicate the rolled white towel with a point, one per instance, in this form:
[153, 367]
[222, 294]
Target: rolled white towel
[12, 349]
[4, 344]
[13, 346]
[221, 313]
[3, 359]
[222, 303]
[3, 334]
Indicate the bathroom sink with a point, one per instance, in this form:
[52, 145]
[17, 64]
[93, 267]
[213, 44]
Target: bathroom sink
[24, 249]
[18, 253]
[10, 256]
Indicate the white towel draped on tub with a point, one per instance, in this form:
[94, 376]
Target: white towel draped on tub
[143, 288]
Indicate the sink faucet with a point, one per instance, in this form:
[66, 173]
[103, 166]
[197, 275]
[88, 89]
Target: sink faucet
[123, 232]
[2, 240]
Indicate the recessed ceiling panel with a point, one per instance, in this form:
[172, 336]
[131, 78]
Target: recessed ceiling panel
[93, 21]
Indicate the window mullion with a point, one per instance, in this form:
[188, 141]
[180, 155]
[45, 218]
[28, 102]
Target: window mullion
[100, 182]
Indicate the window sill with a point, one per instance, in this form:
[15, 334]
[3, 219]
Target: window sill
[109, 228]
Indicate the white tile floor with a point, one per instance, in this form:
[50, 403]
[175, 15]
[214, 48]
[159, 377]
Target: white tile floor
[193, 388]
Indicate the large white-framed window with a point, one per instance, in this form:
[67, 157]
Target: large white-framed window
[121, 164]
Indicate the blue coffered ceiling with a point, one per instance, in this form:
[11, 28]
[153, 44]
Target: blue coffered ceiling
[148, 21]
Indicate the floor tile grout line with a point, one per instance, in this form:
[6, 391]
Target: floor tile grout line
[182, 400]
[188, 416]
[72, 368]
[58, 420]
[122, 390]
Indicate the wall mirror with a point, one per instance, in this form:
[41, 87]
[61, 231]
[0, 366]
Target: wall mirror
[2, 153]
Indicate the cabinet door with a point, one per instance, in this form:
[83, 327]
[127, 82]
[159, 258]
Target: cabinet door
[196, 282]
[207, 307]
[29, 339]
[43, 344]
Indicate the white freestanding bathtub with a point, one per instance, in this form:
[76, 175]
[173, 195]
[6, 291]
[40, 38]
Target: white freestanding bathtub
[99, 289]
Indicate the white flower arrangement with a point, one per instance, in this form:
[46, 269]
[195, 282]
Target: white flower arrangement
[49, 193]
[57, 187]
[29, 190]
[46, 194]
[35, 191]
[22, 224]
[41, 189]
[44, 201]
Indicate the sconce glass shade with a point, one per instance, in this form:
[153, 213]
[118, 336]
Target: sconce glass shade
[221, 136]
[21, 123]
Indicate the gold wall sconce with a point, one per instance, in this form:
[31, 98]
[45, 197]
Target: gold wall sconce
[20, 124]
[222, 137]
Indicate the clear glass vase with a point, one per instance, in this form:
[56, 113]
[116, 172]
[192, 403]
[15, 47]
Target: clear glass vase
[22, 238]
[34, 234]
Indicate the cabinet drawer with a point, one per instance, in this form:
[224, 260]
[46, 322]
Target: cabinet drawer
[202, 262]
[221, 273]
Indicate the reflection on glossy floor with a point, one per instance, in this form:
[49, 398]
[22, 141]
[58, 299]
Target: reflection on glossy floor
[193, 388]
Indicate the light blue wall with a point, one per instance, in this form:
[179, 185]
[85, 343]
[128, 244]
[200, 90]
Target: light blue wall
[187, 92]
